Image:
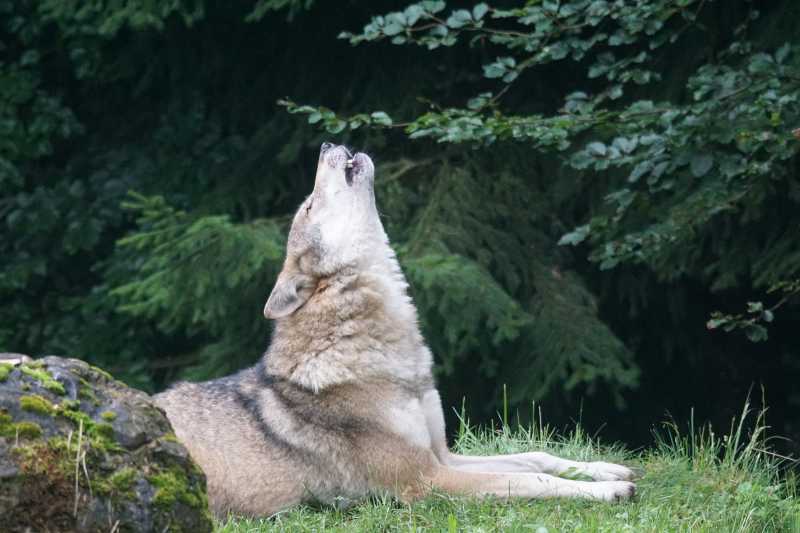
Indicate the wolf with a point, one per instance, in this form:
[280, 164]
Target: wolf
[343, 403]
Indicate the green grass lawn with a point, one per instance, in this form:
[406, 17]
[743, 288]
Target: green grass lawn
[689, 481]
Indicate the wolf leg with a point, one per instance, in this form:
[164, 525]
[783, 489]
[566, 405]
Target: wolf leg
[527, 485]
[520, 462]
[539, 462]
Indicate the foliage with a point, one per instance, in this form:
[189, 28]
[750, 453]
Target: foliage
[724, 150]
[693, 175]
[66, 168]
[148, 178]
[222, 257]
[753, 324]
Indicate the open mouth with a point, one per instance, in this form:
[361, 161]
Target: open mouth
[349, 169]
[352, 165]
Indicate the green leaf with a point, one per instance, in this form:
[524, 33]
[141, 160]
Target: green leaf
[715, 323]
[479, 101]
[29, 57]
[381, 118]
[335, 126]
[459, 18]
[393, 28]
[755, 307]
[640, 170]
[576, 236]
[494, 70]
[433, 6]
[756, 333]
[413, 14]
[624, 144]
[479, 11]
[783, 53]
[642, 106]
[700, 164]
[597, 149]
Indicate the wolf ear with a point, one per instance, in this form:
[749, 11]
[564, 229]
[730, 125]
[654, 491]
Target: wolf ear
[290, 292]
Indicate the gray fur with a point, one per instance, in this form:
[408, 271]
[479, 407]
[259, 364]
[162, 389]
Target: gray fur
[343, 402]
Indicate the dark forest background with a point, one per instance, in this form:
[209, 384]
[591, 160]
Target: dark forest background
[596, 202]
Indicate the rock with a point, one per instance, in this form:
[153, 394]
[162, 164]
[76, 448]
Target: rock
[66, 425]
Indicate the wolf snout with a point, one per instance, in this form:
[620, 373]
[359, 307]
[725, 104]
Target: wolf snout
[357, 168]
[336, 156]
[326, 146]
[360, 167]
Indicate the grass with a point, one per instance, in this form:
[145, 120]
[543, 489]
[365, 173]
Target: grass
[691, 480]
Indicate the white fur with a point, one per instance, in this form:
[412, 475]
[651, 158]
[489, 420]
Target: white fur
[407, 420]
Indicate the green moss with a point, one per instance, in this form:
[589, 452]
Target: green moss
[30, 430]
[77, 418]
[53, 459]
[5, 370]
[108, 415]
[102, 373]
[101, 435]
[173, 486]
[87, 394]
[55, 387]
[123, 479]
[170, 437]
[44, 377]
[85, 391]
[52, 462]
[119, 484]
[23, 430]
[72, 405]
[104, 430]
[36, 404]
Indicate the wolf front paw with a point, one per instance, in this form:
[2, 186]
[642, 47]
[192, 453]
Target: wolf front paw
[600, 471]
[613, 491]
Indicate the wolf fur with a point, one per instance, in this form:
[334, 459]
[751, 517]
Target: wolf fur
[343, 403]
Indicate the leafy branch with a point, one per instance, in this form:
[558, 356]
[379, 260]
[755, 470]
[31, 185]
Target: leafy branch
[753, 321]
[673, 169]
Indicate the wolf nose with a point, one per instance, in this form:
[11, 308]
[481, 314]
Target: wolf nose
[325, 147]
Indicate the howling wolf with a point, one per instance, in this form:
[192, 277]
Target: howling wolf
[343, 404]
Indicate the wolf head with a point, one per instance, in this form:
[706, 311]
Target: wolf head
[336, 229]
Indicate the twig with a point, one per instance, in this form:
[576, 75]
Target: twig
[77, 467]
[86, 473]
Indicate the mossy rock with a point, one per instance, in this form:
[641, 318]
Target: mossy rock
[62, 419]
